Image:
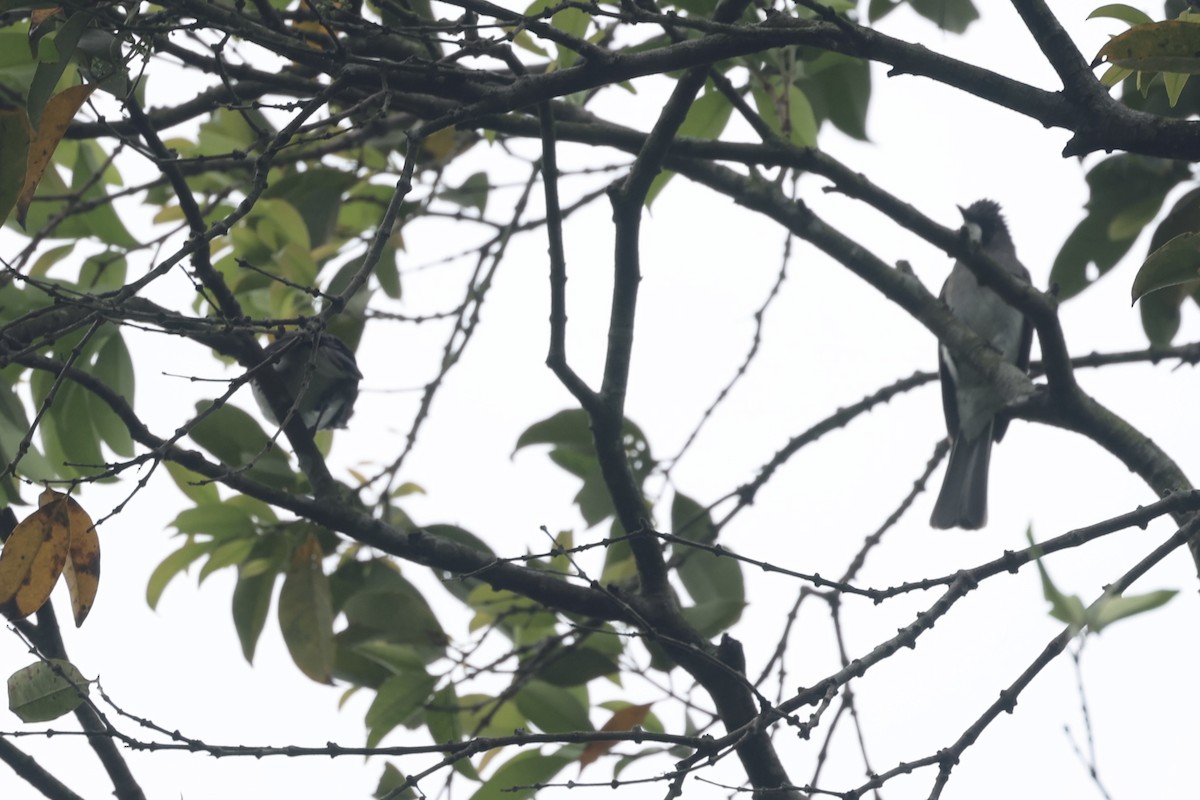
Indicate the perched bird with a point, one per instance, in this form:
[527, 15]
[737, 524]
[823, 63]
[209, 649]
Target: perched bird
[327, 382]
[970, 402]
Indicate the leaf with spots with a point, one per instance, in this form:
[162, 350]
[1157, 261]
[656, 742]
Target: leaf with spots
[33, 558]
[82, 571]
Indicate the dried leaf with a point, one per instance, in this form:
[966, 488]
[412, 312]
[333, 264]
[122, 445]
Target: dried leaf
[55, 119]
[82, 571]
[32, 560]
[626, 719]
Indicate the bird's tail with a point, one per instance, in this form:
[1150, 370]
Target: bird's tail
[962, 503]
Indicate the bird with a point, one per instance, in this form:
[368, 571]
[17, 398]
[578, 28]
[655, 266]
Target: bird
[327, 383]
[971, 404]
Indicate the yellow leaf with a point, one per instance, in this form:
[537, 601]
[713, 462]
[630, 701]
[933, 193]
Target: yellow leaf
[318, 36]
[442, 146]
[626, 719]
[56, 117]
[1170, 46]
[82, 571]
[32, 560]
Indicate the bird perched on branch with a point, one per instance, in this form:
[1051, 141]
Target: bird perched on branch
[973, 407]
[322, 386]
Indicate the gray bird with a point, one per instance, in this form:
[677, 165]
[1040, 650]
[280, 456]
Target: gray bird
[971, 404]
[329, 381]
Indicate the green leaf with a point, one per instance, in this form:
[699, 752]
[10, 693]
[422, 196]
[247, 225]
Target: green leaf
[568, 428]
[1110, 608]
[443, 716]
[626, 761]
[691, 520]
[787, 112]
[391, 780]
[316, 194]
[114, 368]
[40, 383]
[396, 657]
[220, 520]
[54, 56]
[252, 595]
[444, 719]
[1161, 313]
[14, 425]
[1122, 12]
[102, 220]
[577, 666]
[354, 667]
[838, 88]
[471, 193]
[878, 9]
[949, 15]
[226, 554]
[277, 223]
[228, 130]
[658, 184]
[707, 117]
[619, 563]
[573, 450]
[195, 487]
[376, 597]
[74, 422]
[1176, 262]
[398, 702]
[486, 715]
[46, 690]
[306, 613]
[709, 577]
[711, 617]
[1063, 607]
[573, 21]
[1174, 82]
[458, 585]
[237, 440]
[364, 205]
[552, 708]
[1129, 221]
[714, 582]
[519, 777]
[802, 123]
[1125, 189]
[171, 566]
[387, 272]
[699, 8]
[15, 133]
[41, 267]
[1114, 75]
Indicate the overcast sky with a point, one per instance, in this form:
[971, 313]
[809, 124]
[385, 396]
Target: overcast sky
[828, 341]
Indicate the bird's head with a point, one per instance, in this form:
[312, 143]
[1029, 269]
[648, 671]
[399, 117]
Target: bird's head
[983, 222]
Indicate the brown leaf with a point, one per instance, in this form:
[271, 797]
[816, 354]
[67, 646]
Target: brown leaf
[626, 719]
[32, 560]
[82, 571]
[41, 23]
[56, 117]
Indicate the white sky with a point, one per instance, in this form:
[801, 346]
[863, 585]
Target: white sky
[829, 340]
